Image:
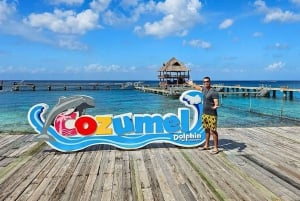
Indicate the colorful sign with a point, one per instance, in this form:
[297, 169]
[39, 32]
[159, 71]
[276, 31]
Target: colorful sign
[67, 128]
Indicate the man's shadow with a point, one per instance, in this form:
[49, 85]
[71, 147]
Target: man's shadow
[227, 144]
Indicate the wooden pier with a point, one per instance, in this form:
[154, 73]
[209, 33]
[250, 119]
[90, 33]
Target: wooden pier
[258, 91]
[176, 90]
[260, 163]
[70, 86]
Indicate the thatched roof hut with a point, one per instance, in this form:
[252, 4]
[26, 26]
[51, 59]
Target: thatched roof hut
[173, 72]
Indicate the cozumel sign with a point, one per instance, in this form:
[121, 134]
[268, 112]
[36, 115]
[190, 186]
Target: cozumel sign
[67, 128]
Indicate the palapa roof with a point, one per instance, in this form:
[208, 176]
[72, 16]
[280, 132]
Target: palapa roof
[173, 65]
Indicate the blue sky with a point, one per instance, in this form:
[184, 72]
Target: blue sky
[131, 39]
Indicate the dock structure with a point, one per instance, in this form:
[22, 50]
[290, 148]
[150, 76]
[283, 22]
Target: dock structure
[176, 90]
[257, 163]
[264, 91]
[163, 88]
[172, 91]
[70, 86]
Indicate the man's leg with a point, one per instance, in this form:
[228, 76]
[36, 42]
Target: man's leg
[207, 132]
[216, 141]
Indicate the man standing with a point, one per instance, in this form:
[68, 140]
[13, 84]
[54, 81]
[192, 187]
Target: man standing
[209, 116]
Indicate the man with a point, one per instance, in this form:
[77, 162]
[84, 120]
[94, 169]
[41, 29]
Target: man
[209, 116]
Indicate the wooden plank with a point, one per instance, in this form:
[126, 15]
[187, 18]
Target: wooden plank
[99, 181]
[10, 145]
[257, 163]
[55, 178]
[5, 139]
[20, 180]
[92, 176]
[44, 186]
[157, 192]
[193, 179]
[117, 188]
[145, 187]
[220, 175]
[23, 148]
[126, 179]
[267, 153]
[59, 191]
[136, 186]
[39, 178]
[159, 154]
[78, 178]
[109, 176]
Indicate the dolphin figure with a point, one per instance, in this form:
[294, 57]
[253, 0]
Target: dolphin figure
[74, 103]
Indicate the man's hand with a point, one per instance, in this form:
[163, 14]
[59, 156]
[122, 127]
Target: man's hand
[190, 82]
[215, 107]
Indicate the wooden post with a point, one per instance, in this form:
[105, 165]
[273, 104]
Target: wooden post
[291, 95]
[284, 94]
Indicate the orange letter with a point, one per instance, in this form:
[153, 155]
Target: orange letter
[103, 125]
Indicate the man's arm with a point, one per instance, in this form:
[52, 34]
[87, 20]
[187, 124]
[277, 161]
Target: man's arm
[193, 85]
[216, 104]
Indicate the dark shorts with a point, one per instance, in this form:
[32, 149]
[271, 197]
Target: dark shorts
[209, 122]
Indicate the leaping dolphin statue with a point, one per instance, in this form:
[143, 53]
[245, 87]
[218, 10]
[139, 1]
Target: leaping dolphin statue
[74, 103]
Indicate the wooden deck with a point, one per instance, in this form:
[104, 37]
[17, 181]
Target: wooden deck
[255, 164]
[55, 86]
[177, 90]
[174, 91]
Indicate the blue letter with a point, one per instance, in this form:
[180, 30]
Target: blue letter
[123, 125]
[171, 123]
[184, 115]
[145, 124]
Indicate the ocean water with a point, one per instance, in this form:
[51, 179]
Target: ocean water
[235, 110]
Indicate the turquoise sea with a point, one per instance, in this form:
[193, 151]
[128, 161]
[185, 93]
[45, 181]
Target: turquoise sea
[235, 110]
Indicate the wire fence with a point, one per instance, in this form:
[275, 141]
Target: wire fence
[283, 109]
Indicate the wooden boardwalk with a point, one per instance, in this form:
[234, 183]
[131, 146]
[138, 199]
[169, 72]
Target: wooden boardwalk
[255, 164]
[55, 86]
[177, 90]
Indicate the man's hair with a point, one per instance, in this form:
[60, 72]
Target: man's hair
[208, 78]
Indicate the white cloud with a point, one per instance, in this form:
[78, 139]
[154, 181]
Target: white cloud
[67, 22]
[129, 3]
[128, 12]
[198, 44]
[12, 69]
[67, 2]
[6, 11]
[178, 17]
[257, 34]
[226, 23]
[280, 46]
[275, 66]
[233, 70]
[99, 5]
[275, 14]
[281, 16]
[71, 43]
[297, 2]
[97, 68]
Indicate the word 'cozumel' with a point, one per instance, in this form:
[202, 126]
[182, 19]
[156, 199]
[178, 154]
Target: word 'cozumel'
[68, 128]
